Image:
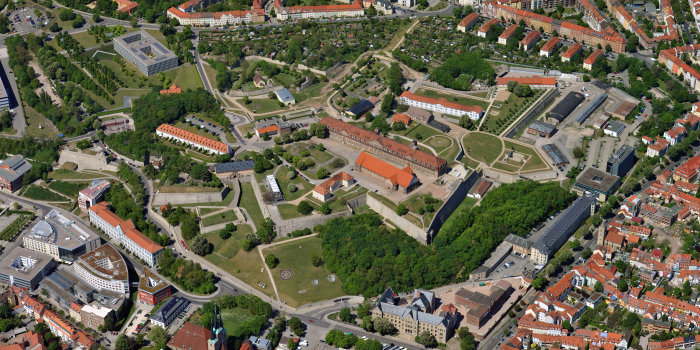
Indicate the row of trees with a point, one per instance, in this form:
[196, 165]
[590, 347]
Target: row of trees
[368, 256]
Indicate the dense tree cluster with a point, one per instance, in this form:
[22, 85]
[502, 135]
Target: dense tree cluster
[252, 304]
[153, 109]
[368, 256]
[458, 71]
[185, 273]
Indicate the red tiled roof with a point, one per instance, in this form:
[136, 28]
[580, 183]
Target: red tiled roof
[469, 19]
[389, 145]
[401, 118]
[190, 336]
[102, 210]
[615, 238]
[551, 43]
[192, 137]
[402, 177]
[173, 89]
[572, 50]
[268, 129]
[441, 101]
[324, 187]
[530, 37]
[593, 57]
[130, 231]
[486, 26]
[508, 32]
[528, 81]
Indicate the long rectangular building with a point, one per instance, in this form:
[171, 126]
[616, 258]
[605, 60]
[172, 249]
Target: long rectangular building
[186, 14]
[194, 140]
[124, 232]
[671, 58]
[441, 105]
[317, 12]
[384, 147]
[563, 228]
[145, 52]
[603, 37]
[60, 237]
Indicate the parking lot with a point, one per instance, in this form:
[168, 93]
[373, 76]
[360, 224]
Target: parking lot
[26, 20]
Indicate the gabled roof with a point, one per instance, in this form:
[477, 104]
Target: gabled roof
[324, 188]
[192, 137]
[402, 177]
[190, 337]
[14, 167]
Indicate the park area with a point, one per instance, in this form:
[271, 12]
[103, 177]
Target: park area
[482, 147]
[520, 159]
[314, 159]
[298, 281]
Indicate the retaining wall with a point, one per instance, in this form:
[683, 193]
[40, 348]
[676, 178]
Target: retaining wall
[452, 203]
[185, 197]
[309, 222]
[388, 213]
[534, 112]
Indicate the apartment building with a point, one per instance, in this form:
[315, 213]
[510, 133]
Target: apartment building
[192, 139]
[384, 147]
[671, 59]
[507, 34]
[468, 22]
[61, 238]
[186, 13]
[549, 47]
[535, 82]
[318, 12]
[530, 40]
[571, 52]
[441, 105]
[591, 60]
[124, 232]
[563, 228]
[103, 269]
[484, 29]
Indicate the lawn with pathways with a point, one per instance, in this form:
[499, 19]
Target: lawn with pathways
[534, 162]
[219, 218]
[42, 194]
[70, 189]
[482, 147]
[307, 283]
[249, 202]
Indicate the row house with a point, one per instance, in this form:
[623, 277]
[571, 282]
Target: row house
[671, 58]
[57, 325]
[538, 327]
[675, 343]
[484, 29]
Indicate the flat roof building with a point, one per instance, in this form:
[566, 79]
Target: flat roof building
[360, 108]
[284, 96]
[274, 187]
[152, 288]
[12, 171]
[145, 52]
[169, 311]
[61, 238]
[565, 107]
[596, 183]
[589, 108]
[621, 162]
[614, 128]
[567, 223]
[234, 168]
[104, 269]
[25, 268]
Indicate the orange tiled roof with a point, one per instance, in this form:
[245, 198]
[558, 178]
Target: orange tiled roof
[469, 19]
[593, 57]
[508, 32]
[572, 50]
[401, 118]
[190, 336]
[402, 177]
[530, 37]
[441, 101]
[130, 231]
[201, 140]
[173, 89]
[528, 81]
[486, 26]
[324, 187]
[551, 43]
[269, 129]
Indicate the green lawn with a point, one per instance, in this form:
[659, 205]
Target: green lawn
[457, 99]
[299, 289]
[245, 265]
[61, 174]
[439, 142]
[249, 202]
[302, 185]
[211, 75]
[35, 121]
[188, 77]
[514, 104]
[70, 189]
[262, 105]
[289, 211]
[235, 317]
[506, 167]
[205, 211]
[219, 218]
[224, 203]
[40, 193]
[469, 163]
[420, 132]
[85, 39]
[534, 163]
[482, 147]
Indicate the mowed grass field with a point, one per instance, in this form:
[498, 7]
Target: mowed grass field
[299, 289]
[482, 147]
[535, 162]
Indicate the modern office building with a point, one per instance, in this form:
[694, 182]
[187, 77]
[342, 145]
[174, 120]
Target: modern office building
[124, 232]
[152, 288]
[567, 223]
[25, 268]
[104, 269]
[621, 162]
[169, 311]
[92, 194]
[61, 238]
[12, 171]
[145, 52]
[596, 183]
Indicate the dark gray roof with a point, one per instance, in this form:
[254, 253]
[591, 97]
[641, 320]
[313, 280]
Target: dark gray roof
[361, 107]
[17, 167]
[519, 241]
[171, 306]
[615, 126]
[234, 166]
[542, 127]
[404, 312]
[555, 154]
[621, 154]
[565, 225]
[586, 111]
[566, 105]
[597, 180]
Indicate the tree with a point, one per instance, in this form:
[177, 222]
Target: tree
[291, 344]
[538, 283]
[122, 342]
[134, 23]
[159, 336]
[367, 324]
[322, 173]
[586, 253]
[466, 339]
[316, 260]
[387, 103]
[325, 209]
[296, 326]
[575, 244]
[96, 17]
[266, 233]
[401, 209]
[304, 208]
[567, 325]
[189, 227]
[426, 339]
[224, 234]
[598, 287]
[271, 261]
[201, 246]
[622, 286]
[345, 315]
[578, 152]
[383, 326]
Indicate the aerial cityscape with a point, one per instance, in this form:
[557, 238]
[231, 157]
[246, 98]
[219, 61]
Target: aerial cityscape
[349, 174]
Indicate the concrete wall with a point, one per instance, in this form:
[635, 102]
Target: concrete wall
[388, 213]
[452, 203]
[524, 122]
[86, 161]
[183, 198]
